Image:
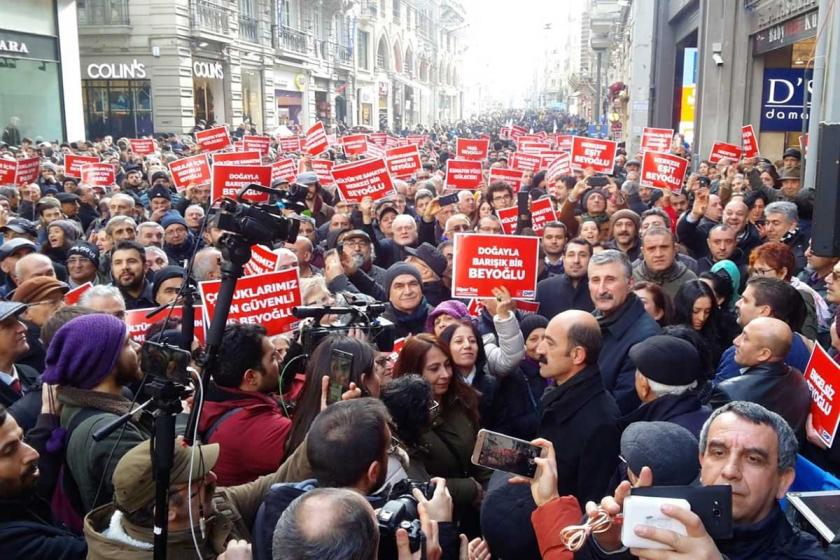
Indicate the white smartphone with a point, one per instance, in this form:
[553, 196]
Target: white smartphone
[644, 510]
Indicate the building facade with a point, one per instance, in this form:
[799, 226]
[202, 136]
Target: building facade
[150, 67]
[40, 96]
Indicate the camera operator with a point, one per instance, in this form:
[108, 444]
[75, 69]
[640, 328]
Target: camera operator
[350, 269]
[240, 413]
[341, 458]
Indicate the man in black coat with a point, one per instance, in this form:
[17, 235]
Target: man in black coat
[15, 379]
[578, 415]
[569, 290]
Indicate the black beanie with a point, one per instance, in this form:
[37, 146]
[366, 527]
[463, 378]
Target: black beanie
[395, 270]
[165, 274]
[531, 322]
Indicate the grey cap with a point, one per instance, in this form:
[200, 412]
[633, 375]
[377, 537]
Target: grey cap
[308, 178]
[668, 449]
[15, 244]
[11, 309]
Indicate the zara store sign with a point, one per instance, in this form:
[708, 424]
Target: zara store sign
[210, 70]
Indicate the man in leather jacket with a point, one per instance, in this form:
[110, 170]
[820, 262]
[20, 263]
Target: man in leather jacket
[761, 349]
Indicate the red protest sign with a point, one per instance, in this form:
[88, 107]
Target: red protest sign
[595, 153]
[482, 262]
[474, 149]
[212, 139]
[463, 174]
[138, 323]
[512, 177]
[367, 177]
[526, 162]
[749, 143]
[264, 299]
[289, 144]
[262, 260]
[73, 164]
[657, 139]
[237, 158]
[378, 138]
[542, 212]
[28, 170]
[259, 144]
[98, 174]
[73, 296]
[533, 147]
[403, 161]
[228, 179]
[354, 144]
[142, 146]
[190, 171]
[8, 170]
[416, 139]
[663, 171]
[474, 307]
[284, 169]
[823, 377]
[316, 139]
[721, 150]
[563, 142]
[323, 169]
[562, 165]
[508, 217]
[527, 306]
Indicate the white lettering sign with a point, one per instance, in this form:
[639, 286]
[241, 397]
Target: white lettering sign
[13, 46]
[113, 71]
[212, 70]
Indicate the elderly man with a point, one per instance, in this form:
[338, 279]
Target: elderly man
[207, 264]
[106, 299]
[760, 350]
[623, 321]
[82, 264]
[150, 234]
[15, 379]
[303, 248]
[735, 215]
[751, 449]
[659, 262]
[43, 296]
[10, 253]
[351, 269]
[783, 226]
[406, 307]
[791, 190]
[32, 266]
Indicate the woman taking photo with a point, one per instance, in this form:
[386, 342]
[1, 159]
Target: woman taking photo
[446, 447]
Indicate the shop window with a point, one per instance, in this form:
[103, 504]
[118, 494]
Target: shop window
[119, 108]
[37, 105]
[362, 50]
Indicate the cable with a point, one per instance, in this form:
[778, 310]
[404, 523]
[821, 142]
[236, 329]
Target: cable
[195, 448]
[280, 382]
[574, 537]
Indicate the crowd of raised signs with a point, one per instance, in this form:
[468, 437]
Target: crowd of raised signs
[628, 309]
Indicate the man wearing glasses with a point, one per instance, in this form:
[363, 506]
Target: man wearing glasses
[351, 268]
[500, 195]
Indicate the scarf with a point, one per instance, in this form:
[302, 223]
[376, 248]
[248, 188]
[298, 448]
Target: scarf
[669, 274]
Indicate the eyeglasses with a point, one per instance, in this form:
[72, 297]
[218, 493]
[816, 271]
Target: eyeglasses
[356, 244]
[761, 271]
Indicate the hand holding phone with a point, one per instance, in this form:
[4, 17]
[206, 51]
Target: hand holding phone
[505, 453]
[644, 510]
[341, 366]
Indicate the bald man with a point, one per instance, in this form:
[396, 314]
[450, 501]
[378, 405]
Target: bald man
[579, 416]
[32, 266]
[736, 216]
[765, 379]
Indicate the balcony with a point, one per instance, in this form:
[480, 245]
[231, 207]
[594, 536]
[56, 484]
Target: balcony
[249, 29]
[380, 62]
[102, 12]
[292, 40]
[209, 16]
[340, 54]
[369, 9]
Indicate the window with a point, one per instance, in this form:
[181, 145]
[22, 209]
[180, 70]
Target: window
[102, 12]
[37, 106]
[118, 107]
[362, 50]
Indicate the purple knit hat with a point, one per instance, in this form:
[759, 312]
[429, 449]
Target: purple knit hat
[84, 351]
[451, 307]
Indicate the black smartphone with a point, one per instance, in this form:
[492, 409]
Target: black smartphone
[165, 360]
[341, 364]
[505, 453]
[448, 199]
[597, 181]
[712, 504]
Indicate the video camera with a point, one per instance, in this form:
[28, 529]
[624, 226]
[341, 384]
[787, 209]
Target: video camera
[400, 512]
[355, 315]
[259, 222]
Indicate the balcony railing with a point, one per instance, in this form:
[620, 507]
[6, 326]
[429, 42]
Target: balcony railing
[340, 54]
[380, 62]
[292, 40]
[102, 12]
[209, 16]
[249, 29]
[369, 9]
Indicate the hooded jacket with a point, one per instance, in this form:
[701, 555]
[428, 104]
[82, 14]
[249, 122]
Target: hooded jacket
[251, 430]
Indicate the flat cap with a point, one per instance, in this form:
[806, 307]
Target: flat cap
[668, 449]
[40, 288]
[667, 359]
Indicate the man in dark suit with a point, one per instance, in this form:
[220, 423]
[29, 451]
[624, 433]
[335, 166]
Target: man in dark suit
[578, 415]
[15, 379]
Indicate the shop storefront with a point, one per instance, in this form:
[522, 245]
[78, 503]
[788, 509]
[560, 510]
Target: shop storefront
[31, 89]
[289, 97]
[366, 98]
[786, 49]
[117, 97]
[208, 90]
[252, 98]
[323, 107]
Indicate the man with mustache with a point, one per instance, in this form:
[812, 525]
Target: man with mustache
[578, 415]
[128, 269]
[623, 321]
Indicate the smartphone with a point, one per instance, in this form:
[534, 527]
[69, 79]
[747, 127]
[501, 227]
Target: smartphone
[645, 510]
[712, 504]
[341, 364]
[505, 453]
[448, 199]
[597, 181]
[165, 360]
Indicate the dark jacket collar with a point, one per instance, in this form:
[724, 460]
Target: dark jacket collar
[622, 318]
[775, 369]
[566, 399]
[663, 408]
[771, 538]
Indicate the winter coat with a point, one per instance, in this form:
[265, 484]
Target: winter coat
[693, 234]
[581, 419]
[504, 345]
[549, 520]
[669, 280]
[685, 410]
[557, 294]
[626, 326]
[406, 324]
[796, 358]
[251, 430]
[775, 386]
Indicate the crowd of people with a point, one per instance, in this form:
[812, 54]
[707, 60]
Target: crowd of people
[668, 348]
